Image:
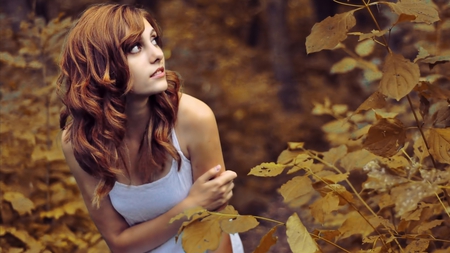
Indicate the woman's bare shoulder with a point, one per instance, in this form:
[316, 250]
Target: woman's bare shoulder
[193, 114]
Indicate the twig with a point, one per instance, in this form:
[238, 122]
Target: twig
[330, 242]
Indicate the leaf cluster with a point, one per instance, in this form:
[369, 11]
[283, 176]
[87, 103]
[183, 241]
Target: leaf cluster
[41, 208]
[383, 184]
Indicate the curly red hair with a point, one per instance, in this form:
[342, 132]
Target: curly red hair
[92, 85]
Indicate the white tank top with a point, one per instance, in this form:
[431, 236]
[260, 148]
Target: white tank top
[139, 203]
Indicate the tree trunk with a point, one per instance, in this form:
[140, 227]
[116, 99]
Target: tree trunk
[280, 56]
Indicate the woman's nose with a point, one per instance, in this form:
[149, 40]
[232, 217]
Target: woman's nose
[155, 54]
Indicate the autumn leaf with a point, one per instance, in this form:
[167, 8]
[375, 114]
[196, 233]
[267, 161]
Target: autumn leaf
[19, 202]
[375, 101]
[267, 170]
[423, 53]
[302, 161]
[329, 32]
[324, 206]
[329, 235]
[356, 159]
[429, 90]
[299, 239]
[355, 224]
[239, 224]
[421, 9]
[436, 60]
[441, 119]
[267, 241]
[400, 76]
[287, 156]
[201, 236]
[334, 154]
[345, 65]
[419, 245]
[371, 35]
[189, 213]
[386, 137]
[439, 141]
[365, 48]
[427, 226]
[295, 188]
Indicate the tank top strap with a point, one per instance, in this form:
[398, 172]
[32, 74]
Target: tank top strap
[175, 142]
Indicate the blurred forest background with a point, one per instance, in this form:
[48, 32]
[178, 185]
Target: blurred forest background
[245, 58]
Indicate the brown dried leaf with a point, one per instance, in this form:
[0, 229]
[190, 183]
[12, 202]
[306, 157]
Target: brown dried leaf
[329, 235]
[419, 245]
[267, 170]
[329, 32]
[375, 101]
[439, 141]
[429, 90]
[20, 203]
[267, 241]
[441, 119]
[385, 137]
[295, 188]
[427, 226]
[400, 76]
[385, 201]
[324, 206]
[421, 9]
[299, 239]
[440, 59]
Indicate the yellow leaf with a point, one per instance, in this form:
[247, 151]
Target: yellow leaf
[295, 145]
[201, 236]
[267, 241]
[386, 137]
[302, 161]
[337, 126]
[423, 53]
[421, 9]
[436, 59]
[299, 239]
[334, 154]
[267, 170]
[189, 213]
[324, 206]
[335, 178]
[374, 101]
[439, 141]
[343, 66]
[240, 224]
[329, 32]
[374, 33]
[355, 224]
[295, 188]
[287, 156]
[365, 48]
[19, 202]
[356, 159]
[400, 76]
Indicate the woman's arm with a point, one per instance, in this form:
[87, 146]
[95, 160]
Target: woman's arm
[200, 133]
[205, 192]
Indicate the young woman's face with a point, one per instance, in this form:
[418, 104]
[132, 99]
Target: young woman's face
[146, 64]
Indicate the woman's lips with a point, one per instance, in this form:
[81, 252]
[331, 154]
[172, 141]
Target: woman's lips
[158, 73]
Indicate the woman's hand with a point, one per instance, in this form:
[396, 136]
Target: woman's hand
[213, 189]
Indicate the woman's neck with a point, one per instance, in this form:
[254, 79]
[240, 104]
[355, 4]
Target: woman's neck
[138, 116]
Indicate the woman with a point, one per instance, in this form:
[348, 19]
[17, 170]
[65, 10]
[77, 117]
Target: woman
[140, 151]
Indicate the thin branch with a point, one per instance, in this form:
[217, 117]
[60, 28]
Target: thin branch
[330, 242]
[420, 129]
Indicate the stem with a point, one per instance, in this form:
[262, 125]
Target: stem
[367, 5]
[420, 129]
[256, 217]
[347, 4]
[330, 242]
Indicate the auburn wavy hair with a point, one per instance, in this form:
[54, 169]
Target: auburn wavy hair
[92, 85]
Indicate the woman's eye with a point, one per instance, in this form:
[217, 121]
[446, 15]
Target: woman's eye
[155, 41]
[135, 49]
